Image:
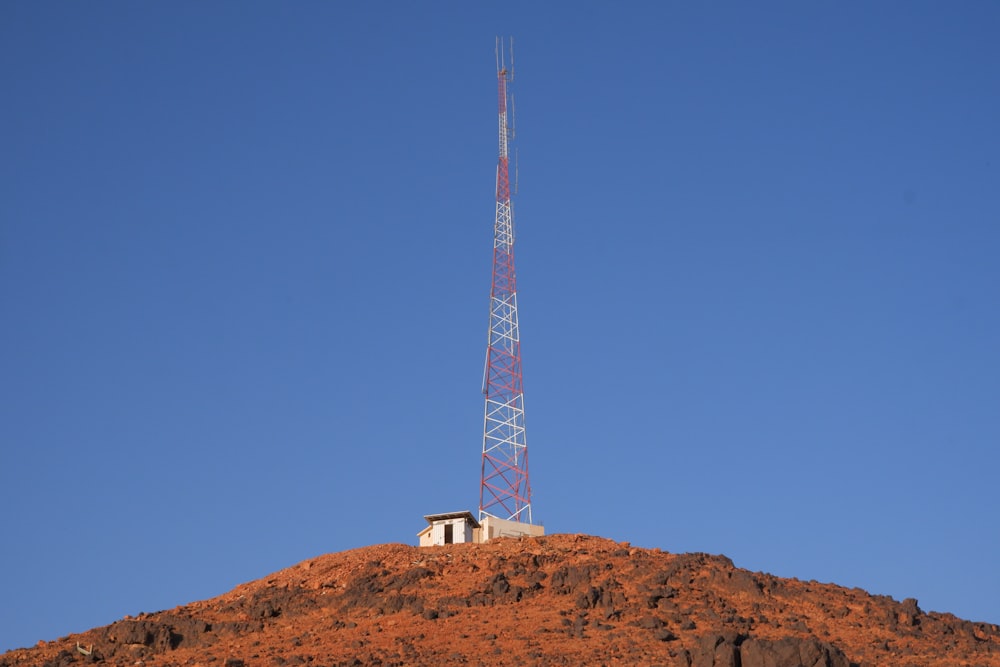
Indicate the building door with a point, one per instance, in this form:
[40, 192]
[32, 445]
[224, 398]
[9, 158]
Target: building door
[449, 533]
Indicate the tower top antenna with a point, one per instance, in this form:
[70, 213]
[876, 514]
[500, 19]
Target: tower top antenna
[505, 57]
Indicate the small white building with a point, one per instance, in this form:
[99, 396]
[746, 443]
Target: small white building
[459, 527]
[448, 528]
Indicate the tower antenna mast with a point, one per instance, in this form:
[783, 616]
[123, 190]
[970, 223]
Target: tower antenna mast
[504, 490]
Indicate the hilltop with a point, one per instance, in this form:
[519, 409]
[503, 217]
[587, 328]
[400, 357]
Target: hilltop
[555, 600]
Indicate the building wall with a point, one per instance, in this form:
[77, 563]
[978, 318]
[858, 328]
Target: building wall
[462, 531]
[493, 527]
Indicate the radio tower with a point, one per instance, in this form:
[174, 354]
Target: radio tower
[505, 492]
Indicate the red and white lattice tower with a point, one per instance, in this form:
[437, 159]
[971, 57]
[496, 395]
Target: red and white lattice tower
[505, 492]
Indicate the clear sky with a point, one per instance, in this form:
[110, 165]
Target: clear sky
[245, 264]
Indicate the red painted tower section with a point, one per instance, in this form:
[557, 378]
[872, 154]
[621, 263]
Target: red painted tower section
[504, 492]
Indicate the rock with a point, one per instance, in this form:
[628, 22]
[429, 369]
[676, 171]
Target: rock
[909, 613]
[791, 652]
[650, 622]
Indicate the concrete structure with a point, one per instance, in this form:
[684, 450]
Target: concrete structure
[460, 527]
[491, 527]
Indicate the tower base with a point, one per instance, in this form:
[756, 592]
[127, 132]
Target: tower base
[491, 527]
[459, 527]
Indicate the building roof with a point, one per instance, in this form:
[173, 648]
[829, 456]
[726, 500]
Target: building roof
[467, 515]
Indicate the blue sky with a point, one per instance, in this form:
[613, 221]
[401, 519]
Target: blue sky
[244, 276]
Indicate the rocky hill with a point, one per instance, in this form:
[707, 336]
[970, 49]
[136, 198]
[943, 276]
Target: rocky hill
[557, 600]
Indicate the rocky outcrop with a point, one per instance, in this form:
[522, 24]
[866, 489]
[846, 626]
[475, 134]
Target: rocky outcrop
[557, 600]
[740, 651]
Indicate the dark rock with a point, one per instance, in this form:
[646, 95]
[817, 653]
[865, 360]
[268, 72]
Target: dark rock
[909, 613]
[791, 652]
[62, 659]
[741, 581]
[570, 578]
[588, 598]
[665, 635]
[717, 651]
[499, 584]
[157, 635]
[733, 650]
[650, 622]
